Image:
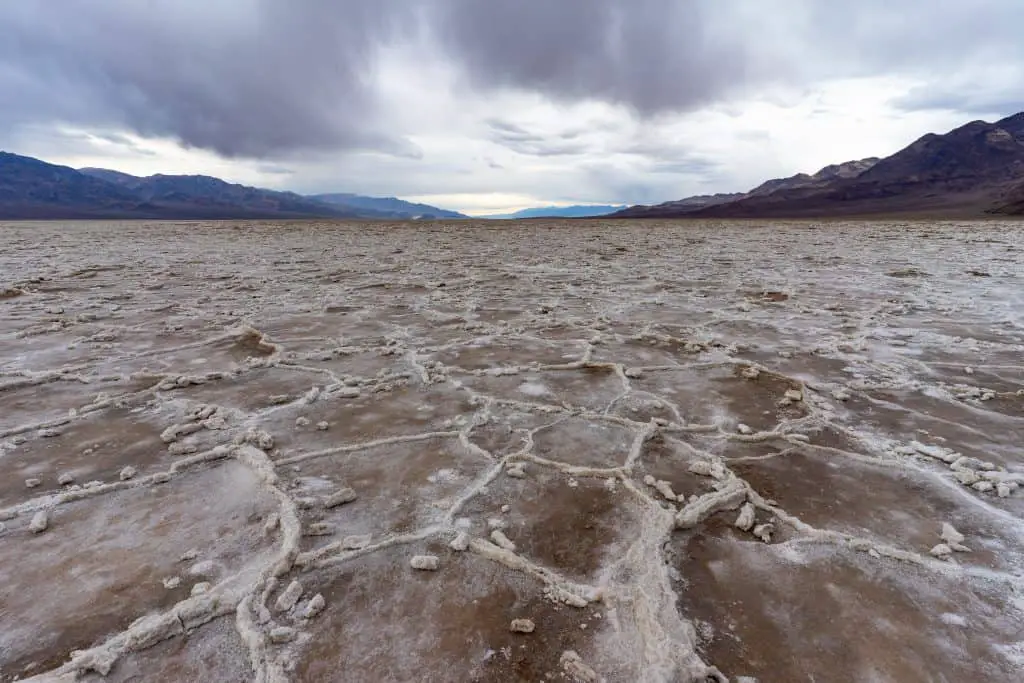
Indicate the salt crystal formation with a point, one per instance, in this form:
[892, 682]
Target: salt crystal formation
[522, 626]
[429, 563]
[543, 451]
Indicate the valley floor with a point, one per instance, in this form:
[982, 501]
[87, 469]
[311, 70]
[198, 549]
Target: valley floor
[601, 451]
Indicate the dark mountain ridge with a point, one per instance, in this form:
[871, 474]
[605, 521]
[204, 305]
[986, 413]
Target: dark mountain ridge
[190, 194]
[972, 170]
[34, 189]
[391, 205]
[30, 188]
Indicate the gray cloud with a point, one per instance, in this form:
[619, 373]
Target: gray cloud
[274, 169]
[692, 166]
[508, 129]
[276, 78]
[253, 78]
[650, 54]
[983, 104]
[626, 185]
[265, 78]
[50, 142]
[659, 56]
[519, 140]
[921, 36]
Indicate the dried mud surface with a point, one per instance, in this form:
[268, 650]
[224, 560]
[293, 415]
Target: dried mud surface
[536, 451]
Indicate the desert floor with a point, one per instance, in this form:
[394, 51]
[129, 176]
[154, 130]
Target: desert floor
[542, 451]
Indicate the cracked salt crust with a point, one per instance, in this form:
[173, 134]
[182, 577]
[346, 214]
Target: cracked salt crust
[424, 395]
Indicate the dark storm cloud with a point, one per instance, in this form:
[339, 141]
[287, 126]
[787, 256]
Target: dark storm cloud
[652, 54]
[269, 78]
[660, 56]
[50, 142]
[253, 77]
[266, 77]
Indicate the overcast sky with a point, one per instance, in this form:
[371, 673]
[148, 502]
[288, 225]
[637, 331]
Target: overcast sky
[493, 105]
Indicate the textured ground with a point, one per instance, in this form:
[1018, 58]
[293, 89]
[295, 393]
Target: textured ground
[746, 452]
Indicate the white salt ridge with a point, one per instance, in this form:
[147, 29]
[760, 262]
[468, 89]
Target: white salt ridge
[764, 532]
[729, 497]
[502, 541]
[320, 529]
[357, 542]
[340, 497]
[314, 607]
[522, 626]
[282, 634]
[745, 521]
[534, 389]
[517, 471]
[460, 543]
[287, 599]
[953, 619]
[430, 563]
[204, 568]
[40, 522]
[576, 670]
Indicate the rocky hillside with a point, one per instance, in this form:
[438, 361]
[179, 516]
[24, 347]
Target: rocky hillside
[969, 171]
[849, 169]
[30, 188]
[197, 195]
[34, 189]
[1012, 204]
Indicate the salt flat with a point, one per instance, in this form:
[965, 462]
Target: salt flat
[537, 451]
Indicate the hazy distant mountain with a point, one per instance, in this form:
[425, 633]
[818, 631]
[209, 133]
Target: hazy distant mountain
[680, 206]
[579, 211]
[30, 188]
[388, 205]
[208, 197]
[115, 177]
[974, 169]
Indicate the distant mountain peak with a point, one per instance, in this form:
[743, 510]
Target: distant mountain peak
[1013, 124]
[31, 188]
[574, 211]
[975, 167]
[847, 169]
[398, 208]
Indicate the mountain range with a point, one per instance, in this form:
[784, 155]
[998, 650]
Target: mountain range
[34, 189]
[971, 171]
[577, 211]
[391, 205]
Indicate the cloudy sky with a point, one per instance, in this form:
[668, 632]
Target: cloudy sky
[492, 105]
